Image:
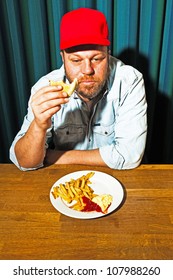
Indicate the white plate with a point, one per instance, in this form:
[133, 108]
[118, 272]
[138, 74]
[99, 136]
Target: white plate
[102, 183]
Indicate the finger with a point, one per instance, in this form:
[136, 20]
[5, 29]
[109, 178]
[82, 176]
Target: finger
[44, 120]
[52, 103]
[50, 112]
[45, 97]
[49, 92]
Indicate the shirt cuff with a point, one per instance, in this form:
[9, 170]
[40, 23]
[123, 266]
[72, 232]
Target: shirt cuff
[112, 157]
[15, 161]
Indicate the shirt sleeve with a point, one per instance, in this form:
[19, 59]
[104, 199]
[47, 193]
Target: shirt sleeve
[43, 81]
[126, 152]
[26, 123]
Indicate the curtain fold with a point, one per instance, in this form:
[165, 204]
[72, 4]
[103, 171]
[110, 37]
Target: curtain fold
[141, 35]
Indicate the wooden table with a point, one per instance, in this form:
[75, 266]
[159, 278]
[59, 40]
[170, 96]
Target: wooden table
[30, 227]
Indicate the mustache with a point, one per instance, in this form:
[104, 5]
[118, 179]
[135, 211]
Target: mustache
[87, 79]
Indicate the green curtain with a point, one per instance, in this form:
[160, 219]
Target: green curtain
[141, 34]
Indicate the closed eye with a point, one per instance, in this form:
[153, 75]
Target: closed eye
[98, 59]
[76, 60]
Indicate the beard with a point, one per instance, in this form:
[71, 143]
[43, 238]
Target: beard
[88, 86]
[91, 90]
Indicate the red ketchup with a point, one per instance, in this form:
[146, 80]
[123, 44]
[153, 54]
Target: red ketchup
[90, 205]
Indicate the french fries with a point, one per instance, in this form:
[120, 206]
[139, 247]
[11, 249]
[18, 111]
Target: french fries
[74, 190]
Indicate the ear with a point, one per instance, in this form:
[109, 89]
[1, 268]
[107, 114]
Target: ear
[62, 55]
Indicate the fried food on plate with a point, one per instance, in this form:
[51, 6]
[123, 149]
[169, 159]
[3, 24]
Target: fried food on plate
[81, 197]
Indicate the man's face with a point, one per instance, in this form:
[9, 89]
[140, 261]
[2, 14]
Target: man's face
[89, 64]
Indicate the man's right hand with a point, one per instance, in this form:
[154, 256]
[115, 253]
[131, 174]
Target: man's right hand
[45, 103]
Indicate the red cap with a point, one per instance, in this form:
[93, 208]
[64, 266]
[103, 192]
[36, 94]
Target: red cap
[83, 26]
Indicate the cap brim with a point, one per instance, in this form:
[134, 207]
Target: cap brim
[95, 41]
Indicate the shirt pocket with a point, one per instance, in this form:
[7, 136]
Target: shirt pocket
[68, 137]
[103, 134]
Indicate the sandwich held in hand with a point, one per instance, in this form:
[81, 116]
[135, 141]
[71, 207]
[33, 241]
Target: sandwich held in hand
[68, 88]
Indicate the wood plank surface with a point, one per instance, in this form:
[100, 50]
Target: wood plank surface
[30, 227]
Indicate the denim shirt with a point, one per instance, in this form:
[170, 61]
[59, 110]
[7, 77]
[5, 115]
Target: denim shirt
[117, 124]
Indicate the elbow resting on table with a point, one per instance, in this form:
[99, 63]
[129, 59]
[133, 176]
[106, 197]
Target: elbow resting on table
[27, 167]
[121, 158]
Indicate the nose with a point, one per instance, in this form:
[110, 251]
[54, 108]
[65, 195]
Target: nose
[87, 68]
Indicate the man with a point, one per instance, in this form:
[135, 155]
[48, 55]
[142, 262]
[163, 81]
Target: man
[103, 123]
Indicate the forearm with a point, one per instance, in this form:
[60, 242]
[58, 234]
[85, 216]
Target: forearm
[86, 157]
[30, 149]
